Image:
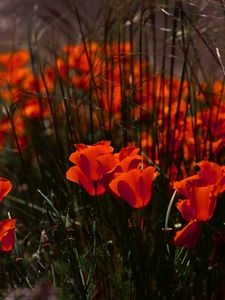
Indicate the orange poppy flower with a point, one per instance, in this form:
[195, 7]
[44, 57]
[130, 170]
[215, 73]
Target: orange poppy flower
[5, 187]
[111, 164]
[87, 172]
[34, 109]
[7, 234]
[134, 186]
[19, 127]
[14, 59]
[201, 191]
[13, 76]
[11, 94]
[189, 235]
[79, 59]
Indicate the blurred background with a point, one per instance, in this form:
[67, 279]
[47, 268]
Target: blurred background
[44, 23]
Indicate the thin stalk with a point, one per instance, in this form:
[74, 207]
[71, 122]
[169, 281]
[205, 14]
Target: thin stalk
[122, 94]
[141, 75]
[168, 216]
[172, 64]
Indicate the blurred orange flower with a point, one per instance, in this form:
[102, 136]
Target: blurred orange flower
[7, 234]
[5, 187]
[34, 108]
[14, 59]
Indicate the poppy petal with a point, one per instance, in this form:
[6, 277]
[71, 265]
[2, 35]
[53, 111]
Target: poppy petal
[76, 175]
[128, 151]
[186, 210]
[188, 236]
[127, 193]
[5, 187]
[5, 226]
[202, 202]
[183, 186]
[209, 171]
[148, 177]
[8, 241]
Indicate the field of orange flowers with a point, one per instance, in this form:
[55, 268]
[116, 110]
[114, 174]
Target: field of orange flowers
[113, 166]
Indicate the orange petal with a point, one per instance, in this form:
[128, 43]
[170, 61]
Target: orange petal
[203, 202]
[75, 157]
[80, 147]
[209, 171]
[186, 210]
[130, 162]
[5, 226]
[106, 163]
[220, 187]
[128, 151]
[188, 236]
[76, 175]
[134, 186]
[88, 166]
[86, 159]
[5, 188]
[125, 187]
[126, 192]
[104, 143]
[100, 189]
[183, 186]
[145, 185]
[8, 241]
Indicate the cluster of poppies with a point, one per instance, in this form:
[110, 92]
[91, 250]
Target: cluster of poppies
[185, 122]
[97, 169]
[19, 88]
[125, 175]
[119, 86]
[201, 192]
[7, 227]
[174, 123]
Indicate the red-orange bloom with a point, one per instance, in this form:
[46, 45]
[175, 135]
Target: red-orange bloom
[111, 164]
[189, 235]
[87, 172]
[201, 191]
[134, 186]
[5, 187]
[14, 59]
[36, 109]
[7, 234]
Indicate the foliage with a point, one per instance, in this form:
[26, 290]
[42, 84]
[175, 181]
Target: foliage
[96, 133]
